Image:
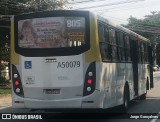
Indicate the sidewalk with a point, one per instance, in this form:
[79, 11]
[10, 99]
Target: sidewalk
[5, 100]
[156, 72]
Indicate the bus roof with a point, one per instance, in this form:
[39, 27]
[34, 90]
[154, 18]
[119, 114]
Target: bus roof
[122, 28]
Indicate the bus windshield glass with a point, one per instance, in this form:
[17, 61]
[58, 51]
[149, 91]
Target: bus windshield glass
[51, 32]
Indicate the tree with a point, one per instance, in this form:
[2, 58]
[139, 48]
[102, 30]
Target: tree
[153, 19]
[4, 44]
[149, 27]
[14, 7]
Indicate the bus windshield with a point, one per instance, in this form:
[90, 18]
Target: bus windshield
[51, 32]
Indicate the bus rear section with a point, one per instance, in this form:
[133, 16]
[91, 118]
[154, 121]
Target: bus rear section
[50, 82]
[49, 69]
[59, 82]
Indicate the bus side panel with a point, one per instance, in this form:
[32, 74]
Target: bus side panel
[129, 78]
[120, 82]
[143, 74]
[111, 78]
[124, 75]
[106, 83]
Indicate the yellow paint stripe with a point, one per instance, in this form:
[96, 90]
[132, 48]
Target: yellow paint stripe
[94, 53]
[14, 55]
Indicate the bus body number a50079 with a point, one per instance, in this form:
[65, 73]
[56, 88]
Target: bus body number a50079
[67, 64]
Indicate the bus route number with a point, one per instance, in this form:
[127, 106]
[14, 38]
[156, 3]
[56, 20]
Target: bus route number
[73, 23]
[71, 64]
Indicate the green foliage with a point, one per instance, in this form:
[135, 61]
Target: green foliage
[40, 5]
[2, 67]
[5, 91]
[153, 19]
[150, 23]
[4, 49]
[2, 80]
[13, 7]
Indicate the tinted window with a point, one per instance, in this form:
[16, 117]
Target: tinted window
[51, 32]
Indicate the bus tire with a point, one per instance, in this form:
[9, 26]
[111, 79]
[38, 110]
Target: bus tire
[126, 99]
[143, 96]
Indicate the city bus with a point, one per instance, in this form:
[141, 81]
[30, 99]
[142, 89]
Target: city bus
[76, 60]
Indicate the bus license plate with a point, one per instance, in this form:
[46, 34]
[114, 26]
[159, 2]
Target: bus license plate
[52, 91]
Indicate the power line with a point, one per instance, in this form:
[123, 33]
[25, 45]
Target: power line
[111, 4]
[113, 9]
[86, 1]
[105, 10]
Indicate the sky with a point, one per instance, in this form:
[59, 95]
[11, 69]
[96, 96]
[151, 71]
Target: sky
[118, 10]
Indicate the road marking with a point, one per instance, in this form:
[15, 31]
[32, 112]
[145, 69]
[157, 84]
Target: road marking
[4, 107]
[154, 120]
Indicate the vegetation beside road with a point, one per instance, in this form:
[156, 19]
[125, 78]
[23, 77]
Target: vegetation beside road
[5, 91]
[5, 97]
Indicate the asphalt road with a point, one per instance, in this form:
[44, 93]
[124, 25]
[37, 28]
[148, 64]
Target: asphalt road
[139, 108]
[149, 107]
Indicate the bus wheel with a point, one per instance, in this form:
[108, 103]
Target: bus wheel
[143, 96]
[125, 105]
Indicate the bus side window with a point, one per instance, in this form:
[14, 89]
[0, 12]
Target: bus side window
[146, 52]
[127, 48]
[113, 44]
[142, 52]
[139, 52]
[107, 43]
[112, 36]
[102, 41]
[101, 33]
[106, 34]
[120, 47]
